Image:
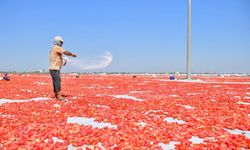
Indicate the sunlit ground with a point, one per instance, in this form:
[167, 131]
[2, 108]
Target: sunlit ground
[125, 112]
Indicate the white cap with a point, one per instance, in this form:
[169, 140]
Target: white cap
[58, 39]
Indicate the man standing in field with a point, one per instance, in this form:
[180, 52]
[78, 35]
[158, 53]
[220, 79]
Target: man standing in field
[56, 62]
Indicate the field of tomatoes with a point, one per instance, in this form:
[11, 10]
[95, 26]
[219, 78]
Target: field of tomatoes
[125, 112]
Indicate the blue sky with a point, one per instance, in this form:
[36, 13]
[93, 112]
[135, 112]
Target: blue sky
[141, 35]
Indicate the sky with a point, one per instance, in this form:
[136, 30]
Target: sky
[126, 35]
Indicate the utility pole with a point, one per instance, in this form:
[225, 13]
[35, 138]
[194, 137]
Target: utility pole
[189, 40]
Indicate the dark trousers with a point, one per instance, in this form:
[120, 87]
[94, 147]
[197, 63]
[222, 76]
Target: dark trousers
[56, 77]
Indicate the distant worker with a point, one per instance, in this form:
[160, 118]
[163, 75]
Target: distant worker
[6, 77]
[56, 63]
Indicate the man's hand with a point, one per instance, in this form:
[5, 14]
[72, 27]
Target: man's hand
[73, 55]
[69, 53]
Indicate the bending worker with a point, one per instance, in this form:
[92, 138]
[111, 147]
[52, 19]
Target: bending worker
[56, 62]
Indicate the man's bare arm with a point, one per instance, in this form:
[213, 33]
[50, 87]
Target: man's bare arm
[69, 53]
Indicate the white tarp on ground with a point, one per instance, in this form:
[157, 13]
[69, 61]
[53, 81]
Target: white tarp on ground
[127, 97]
[169, 146]
[3, 101]
[237, 131]
[171, 120]
[90, 121]
[196, 140]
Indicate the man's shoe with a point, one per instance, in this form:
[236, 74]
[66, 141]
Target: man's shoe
[60, 98]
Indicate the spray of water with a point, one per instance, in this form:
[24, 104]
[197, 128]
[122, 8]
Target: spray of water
[98, 62]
